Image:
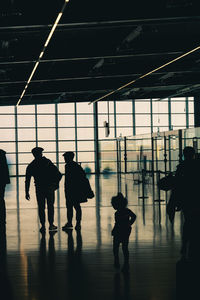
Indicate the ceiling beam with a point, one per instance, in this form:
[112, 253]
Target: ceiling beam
[99, 24]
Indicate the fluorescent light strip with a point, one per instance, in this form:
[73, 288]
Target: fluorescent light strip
[145, 75]
[43, 50]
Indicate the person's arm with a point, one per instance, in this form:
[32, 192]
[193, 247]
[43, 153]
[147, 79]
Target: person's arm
[132, 217]
[27, 183]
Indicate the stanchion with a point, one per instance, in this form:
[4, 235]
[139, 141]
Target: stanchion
[143, 184]
[159, 200]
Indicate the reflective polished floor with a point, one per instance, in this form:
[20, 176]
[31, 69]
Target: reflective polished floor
[79, 264]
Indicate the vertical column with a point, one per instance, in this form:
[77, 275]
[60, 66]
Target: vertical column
[180, 145]
[133, 113]
[115, 120]
[197, 111]
[96, 138]
[57, 148]
[187, 112]
[125, 155]
[75, 121]
[17, 159]
[36, 126]
[169, 114]
[151, 112]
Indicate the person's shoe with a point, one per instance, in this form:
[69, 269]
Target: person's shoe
[43, 229]
[52, 228]
[67, 226]
[78, 226]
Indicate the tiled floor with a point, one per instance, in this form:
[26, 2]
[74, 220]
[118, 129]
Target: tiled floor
[80, 265]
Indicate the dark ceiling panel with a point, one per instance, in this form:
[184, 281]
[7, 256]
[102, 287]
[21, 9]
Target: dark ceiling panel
[97, 47]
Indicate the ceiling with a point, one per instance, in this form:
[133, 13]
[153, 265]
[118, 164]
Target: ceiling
[97, 47]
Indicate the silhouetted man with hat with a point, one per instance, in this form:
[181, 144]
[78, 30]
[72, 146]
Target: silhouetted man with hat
[75, 179]
[46, 177]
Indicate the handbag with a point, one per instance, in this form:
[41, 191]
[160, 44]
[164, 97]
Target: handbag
[167, 183]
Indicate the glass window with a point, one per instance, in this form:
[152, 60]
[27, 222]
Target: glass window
[178, 120]
[102, 133]
[7, 109]
[66, 108]
[85, 156]
[25, 158]
[8, 147]
[178, 107]
[142, 106]
[160, 120]
[46, 120]
[88, 167]
[85, 120]
[143, 130]
[46, 134]
[26, 120]
[26, 134]
[66, 121]
[66, 146]
[66, 134]
[46, 108]
[7, 121]
[142, 120]
[191, 120]
[123, 106]
[85, 145]
[103, 118]
[84, 107]
[25, 109]
[160, 106]
[48, 146]
[7, 135]
[124, 131]
[124, 120]
[26, 146]
[85, 133]
[191, 107]
[11, 158]
[103, 106]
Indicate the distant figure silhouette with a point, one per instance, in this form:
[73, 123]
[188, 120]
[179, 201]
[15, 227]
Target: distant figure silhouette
[46, 176]
[124, 218]
[187, 199]
[4, 179]
[77, 190]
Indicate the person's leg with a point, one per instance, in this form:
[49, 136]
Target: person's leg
[77, 207]
[125, 252]
[69, 206]
[116, 244]
[2, 205]
[40, 195]
[50, 195]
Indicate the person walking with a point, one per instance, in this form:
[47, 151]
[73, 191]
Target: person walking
[77, 190]
[4, 179]
[46, 176]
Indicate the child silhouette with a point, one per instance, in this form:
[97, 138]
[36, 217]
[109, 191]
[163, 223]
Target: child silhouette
[124, 218]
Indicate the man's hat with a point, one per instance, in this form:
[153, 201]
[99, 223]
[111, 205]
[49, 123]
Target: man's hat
[37, 150]
[69, 154]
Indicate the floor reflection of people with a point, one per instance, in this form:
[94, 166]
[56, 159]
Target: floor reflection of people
[187, 280]
[119, 292]
[6, 291]
[77, 278]
[42, 284]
